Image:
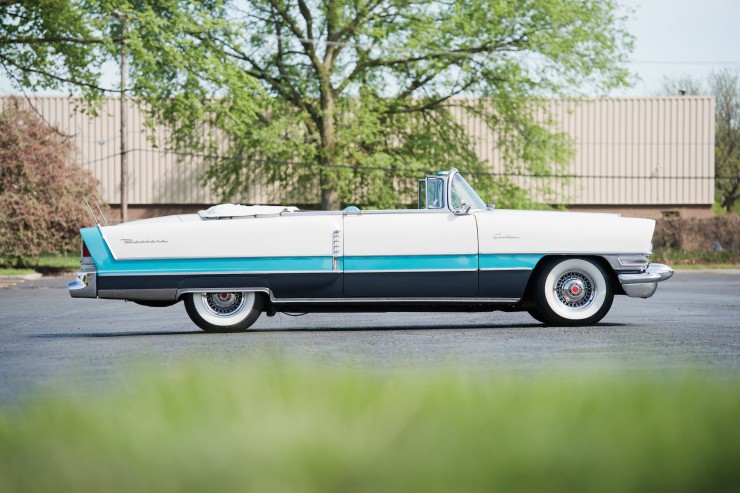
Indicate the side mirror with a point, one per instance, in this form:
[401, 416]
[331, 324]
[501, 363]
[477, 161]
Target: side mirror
[463, 210]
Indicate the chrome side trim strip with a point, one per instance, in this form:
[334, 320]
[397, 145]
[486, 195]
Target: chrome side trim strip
[396, 300]
[612, 257]
[384, 271]
[221, 273]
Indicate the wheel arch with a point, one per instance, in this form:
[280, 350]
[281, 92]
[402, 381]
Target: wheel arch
[214, 284]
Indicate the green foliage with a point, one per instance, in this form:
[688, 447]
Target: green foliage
[343, 99]
[282, 426]
[726, 89]
[375, 90]
[40, 189]
[50, 44]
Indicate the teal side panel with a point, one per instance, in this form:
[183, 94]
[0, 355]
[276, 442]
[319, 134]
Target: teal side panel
[107, 265]
[509, 261]
[411, 262]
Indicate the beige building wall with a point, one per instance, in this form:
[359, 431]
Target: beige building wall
[641, 151]
[647, 155]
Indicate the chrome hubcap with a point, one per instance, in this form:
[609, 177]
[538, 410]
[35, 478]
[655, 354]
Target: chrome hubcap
[575, 290]
[223, 304]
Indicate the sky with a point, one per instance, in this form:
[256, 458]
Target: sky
[681, 37]
[673, 38]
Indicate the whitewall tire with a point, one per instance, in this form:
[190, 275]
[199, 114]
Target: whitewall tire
[572, 291]
[224, 311]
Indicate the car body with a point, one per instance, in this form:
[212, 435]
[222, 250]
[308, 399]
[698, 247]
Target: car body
[453, 253]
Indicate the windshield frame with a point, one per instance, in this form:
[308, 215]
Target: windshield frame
[458, 185]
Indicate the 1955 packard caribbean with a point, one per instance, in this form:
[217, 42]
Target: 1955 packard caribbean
[454, 253]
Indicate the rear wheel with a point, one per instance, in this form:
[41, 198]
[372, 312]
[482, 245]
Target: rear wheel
[571, 292]
[224, 311]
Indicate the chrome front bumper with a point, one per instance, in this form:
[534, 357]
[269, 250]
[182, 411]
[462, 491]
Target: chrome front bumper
[643, 285]
[84, 285]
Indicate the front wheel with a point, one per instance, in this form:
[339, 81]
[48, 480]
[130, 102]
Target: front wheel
[572, 292]
[223, 311]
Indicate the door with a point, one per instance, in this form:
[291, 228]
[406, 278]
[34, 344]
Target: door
[410, 254]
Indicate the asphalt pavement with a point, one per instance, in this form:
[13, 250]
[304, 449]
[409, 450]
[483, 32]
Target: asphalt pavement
[48, 339]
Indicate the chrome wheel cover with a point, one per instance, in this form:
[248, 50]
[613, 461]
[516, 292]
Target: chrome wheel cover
[575, 290]
[223, 304]
[223, 308]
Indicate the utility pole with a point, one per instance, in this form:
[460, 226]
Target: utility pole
[124, 159]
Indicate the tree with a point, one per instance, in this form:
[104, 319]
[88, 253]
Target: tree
[684, 85]
[364, 90]
[363, 93]
[50, 44]
[726, 89]
[40, 188]
[724, 85]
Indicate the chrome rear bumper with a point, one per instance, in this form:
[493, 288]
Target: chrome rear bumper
[643, 285]
[84, 285]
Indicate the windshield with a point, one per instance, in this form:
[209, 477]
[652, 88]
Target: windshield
[462, 193]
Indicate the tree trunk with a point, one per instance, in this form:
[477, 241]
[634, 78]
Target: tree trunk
[329, 194]
[327, 174]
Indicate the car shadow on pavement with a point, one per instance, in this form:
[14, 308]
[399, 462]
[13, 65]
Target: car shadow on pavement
[117, 334]
[362, 328]
[369, 328]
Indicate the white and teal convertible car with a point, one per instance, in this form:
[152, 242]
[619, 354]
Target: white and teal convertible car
[230, 263]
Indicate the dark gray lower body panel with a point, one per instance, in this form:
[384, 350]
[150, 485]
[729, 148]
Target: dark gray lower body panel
[411, 284]
[401, 291]
[503, 283]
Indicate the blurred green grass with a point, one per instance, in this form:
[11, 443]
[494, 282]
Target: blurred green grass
[46, 264]
[289, 427]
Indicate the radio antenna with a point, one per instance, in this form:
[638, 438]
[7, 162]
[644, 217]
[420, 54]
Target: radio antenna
[101, 212]
[84, 199]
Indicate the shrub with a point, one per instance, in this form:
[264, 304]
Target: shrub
[698, 234]
[714, 240]
[40, 188]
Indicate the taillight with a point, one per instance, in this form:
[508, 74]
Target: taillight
[85, 251]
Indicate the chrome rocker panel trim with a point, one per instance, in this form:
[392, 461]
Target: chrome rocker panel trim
[395, 300]
[643, 285]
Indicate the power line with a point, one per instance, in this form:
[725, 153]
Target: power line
[686, 62]
[417, 170]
